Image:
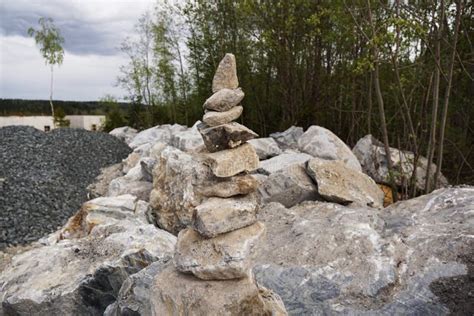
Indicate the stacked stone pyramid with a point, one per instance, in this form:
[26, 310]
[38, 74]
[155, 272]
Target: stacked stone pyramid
[224, 229]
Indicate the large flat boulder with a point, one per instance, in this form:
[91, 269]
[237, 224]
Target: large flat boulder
[230, 162]
[81, 273]
[373, 159]
[412, 258]
[289, 186]
[338, 183]
[227, 256]
[226, 74]
[322, 143]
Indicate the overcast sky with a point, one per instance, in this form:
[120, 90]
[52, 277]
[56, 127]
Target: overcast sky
[93, 31]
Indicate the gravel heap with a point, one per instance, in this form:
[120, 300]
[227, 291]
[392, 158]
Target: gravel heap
[43, 177]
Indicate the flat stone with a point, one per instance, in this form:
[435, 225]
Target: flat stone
[227, 187]
[226, 74]
[214, 118]
[224, 100]
[338, 183]
[229, 162]
[226, 256]
[217, 215]
[174, 293]
[265, 147]
[225, 136]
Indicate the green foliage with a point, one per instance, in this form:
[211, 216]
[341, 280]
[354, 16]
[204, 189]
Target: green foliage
[60, 118]
[306, 62]
[114, 115]
[50, 41]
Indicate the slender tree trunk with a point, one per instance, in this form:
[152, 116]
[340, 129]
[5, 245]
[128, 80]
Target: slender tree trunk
[51, 94]
[434, 113]
[369, 117]
[444, 115]
[378, 93]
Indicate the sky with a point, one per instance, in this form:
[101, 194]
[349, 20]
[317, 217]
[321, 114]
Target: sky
[93, 31]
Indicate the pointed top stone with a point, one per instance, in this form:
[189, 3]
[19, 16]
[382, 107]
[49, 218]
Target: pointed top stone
[226, 74]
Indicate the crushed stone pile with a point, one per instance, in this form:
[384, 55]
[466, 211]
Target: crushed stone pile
[43, 177]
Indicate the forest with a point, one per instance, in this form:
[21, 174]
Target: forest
[399, 70]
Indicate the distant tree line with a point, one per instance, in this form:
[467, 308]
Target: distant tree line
[42, 107]
[400, 70]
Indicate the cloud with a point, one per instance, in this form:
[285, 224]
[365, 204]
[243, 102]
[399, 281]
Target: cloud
[93, 31]
[88, 26]
[81, 77]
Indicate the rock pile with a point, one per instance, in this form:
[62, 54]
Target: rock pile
[43, 177]
[224, 228]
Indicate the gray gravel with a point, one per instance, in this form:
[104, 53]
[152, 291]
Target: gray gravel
[43, 177]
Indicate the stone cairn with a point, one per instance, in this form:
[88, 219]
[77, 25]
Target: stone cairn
[224, 227]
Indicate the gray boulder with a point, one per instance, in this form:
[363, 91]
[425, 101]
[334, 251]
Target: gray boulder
[82, 276]
[265, 147]
[125, 133]
[322, 143]
[134, 295]
[102, 181]
[338, 183]
[137, 181]
[414, 258]
[160, 133]
[373, 159]
[288, 138]
[176, 179]
[188, 140]
[282, 161]
[288, 186]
